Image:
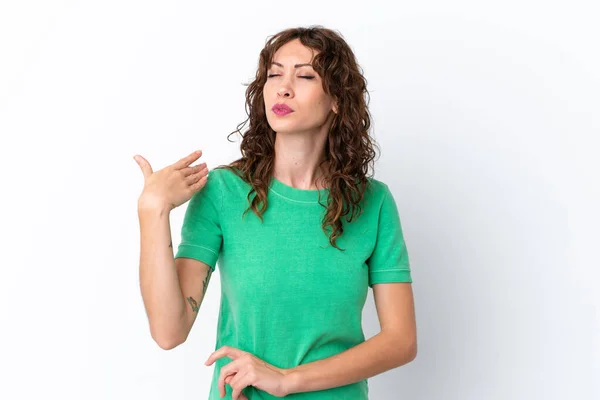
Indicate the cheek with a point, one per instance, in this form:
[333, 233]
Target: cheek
[321, 105]
[266, 89]
[312, 98]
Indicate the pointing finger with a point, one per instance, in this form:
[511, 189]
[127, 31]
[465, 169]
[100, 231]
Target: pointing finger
[184, 162]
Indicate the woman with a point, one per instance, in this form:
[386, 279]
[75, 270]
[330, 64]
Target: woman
[295, 271]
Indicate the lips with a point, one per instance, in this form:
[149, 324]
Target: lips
[281, 109]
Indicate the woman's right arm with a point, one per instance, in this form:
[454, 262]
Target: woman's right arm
[159, 282]
[167, 285]
[172, 290]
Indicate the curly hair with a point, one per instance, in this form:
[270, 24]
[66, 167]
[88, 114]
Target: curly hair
[349, 149]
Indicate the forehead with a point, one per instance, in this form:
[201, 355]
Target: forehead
[294, 52]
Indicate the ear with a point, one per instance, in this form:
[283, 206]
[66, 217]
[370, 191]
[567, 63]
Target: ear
[334, 108]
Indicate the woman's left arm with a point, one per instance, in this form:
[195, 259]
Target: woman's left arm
[394, 346]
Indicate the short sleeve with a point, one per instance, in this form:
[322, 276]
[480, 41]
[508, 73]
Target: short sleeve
[389, 261]
[201, 235]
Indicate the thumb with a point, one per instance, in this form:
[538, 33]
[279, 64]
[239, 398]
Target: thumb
[144, 165]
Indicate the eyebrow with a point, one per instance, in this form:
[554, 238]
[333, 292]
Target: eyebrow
[295, 66]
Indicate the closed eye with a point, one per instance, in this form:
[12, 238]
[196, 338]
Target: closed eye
[305, 77]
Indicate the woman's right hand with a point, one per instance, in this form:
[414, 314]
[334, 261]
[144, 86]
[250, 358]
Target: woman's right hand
[173, 185]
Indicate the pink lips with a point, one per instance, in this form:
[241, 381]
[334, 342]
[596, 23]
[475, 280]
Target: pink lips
[281, 109]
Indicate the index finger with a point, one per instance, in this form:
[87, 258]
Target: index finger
[184, 162]
[225, 351]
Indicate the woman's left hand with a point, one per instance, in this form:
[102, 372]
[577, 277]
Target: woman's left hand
[248, 370]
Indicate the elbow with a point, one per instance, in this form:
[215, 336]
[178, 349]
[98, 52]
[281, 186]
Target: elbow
[406, 352]
[168, 344]
[411, 352]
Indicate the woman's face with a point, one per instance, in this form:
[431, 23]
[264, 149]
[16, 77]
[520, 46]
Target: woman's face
[300, 88]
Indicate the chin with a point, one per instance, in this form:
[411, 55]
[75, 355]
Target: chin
[278, 129]
[281, 126]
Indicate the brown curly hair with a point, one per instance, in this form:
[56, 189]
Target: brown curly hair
[349, 149]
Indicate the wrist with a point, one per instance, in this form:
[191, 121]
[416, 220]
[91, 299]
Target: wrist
[152, 208]
[290, 381]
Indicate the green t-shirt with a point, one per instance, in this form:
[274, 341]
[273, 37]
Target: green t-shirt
[287, 296]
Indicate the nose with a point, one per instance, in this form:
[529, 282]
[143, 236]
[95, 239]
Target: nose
[285, 90]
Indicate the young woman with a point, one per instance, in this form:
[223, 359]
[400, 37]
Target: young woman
[300, 233]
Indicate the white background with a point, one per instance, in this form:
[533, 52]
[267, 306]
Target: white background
[487, 114]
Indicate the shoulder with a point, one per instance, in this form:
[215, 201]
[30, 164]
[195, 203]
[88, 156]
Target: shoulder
[217, 172]
[229, 182]
[220, 176]
[377, 185]
[212, 190]
[224, 173]
[377, 190]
